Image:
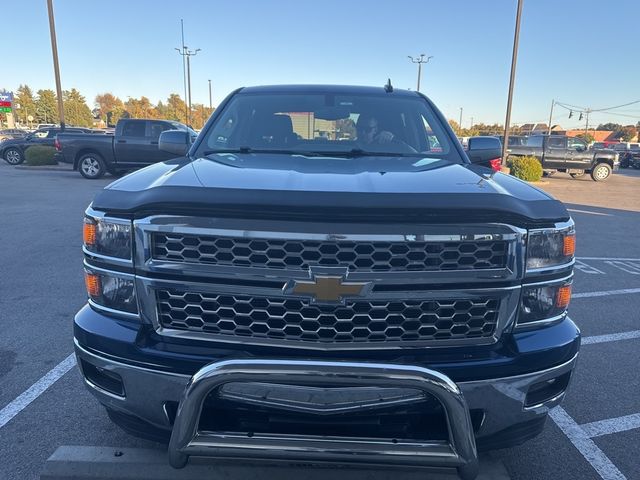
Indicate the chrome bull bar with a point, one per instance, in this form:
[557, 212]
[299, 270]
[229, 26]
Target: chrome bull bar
[458, 452]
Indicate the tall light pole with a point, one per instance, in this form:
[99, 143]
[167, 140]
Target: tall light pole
[419, 60]
[512, 79]
[184, 70]
[553, 102]
[210, 101]
[56, 67]
[460, 122]
[186, 53]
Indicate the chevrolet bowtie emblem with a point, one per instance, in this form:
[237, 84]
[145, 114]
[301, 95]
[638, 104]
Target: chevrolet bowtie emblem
[327, 288]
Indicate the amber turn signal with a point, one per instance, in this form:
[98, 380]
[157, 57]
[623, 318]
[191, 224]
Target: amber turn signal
[563, 297]
[89, 233]
[92, 282]
[569, 248]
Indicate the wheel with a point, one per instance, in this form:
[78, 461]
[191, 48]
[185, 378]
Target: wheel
[601, 172]
[91, 166]
[13, 156]
[577, 174]
[549, 173]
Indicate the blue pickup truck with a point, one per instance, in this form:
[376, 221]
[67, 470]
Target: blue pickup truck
[312, 281]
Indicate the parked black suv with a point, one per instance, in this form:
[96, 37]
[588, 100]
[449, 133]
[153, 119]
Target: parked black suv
[13, 150]
[317, 279]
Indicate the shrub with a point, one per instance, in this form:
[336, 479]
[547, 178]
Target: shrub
[525, 168]
[40, 155]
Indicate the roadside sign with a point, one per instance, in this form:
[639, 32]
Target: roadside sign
[5, 109]
[6, 101]
[5, 104]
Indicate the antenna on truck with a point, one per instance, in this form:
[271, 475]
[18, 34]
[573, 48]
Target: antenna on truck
[388, 87]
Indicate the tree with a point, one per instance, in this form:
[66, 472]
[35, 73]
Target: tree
[627, 133]
[46, 107]
[455, 127]
[111, 107]
[614, 127]
[176, 108]
[140, 108]
[24, 98]
[587, 137]
[76, 110]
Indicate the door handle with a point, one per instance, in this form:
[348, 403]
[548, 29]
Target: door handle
[154, 143]
[122, 141]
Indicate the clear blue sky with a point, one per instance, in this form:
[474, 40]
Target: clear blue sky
[583, 52]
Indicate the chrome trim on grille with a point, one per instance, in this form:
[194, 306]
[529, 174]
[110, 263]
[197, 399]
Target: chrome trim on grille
[269, 282]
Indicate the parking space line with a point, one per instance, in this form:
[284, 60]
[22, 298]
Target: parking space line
[605, 293]
[609, 258]
[612, 425]
[587, 447]
[589, 212]
[35, 390]
[611, 337]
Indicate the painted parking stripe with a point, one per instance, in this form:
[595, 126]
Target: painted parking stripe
[586, 268]
[35, 390]
[606, 293]
[589, 212]
[609, 258]
[630, 267]
[612, 337]
[612, 425]
[587, 447]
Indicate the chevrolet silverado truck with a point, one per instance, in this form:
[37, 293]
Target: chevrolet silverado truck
[559, 153]
[133, 145]
[312, 282]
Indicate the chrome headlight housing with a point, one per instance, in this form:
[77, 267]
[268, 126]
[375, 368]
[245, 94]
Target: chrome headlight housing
[544, 303]
[109, 238]
[111, 291]
[551, 247]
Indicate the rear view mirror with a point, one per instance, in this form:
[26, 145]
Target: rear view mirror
[332, 113]
[175, 141]
[483, 149]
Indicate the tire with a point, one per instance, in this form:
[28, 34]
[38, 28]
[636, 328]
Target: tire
[13, 156]
[577, 174]
[601, 172]
[549, 173]
[91, 166]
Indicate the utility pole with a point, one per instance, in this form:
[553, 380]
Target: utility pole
[186, 53]
[419, 61]
[586, 127]
[460, 122]
[551, 115]
[210, 101]
[471, 124]
[512, 78]
[56, 67]
[184, 71]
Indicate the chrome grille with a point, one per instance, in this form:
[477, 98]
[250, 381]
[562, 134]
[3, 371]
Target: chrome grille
[357, 256]
[286, 319]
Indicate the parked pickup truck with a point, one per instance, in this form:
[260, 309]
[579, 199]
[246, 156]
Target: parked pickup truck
[134, 145]
[567, 154]
[311, 281]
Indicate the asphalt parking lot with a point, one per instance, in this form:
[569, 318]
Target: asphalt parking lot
[595, 434]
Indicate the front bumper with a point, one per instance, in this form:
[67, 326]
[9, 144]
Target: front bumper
[503, 401]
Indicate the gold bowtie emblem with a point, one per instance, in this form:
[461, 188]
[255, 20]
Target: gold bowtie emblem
[328, 288]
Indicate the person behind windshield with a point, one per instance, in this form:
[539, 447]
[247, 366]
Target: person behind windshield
[369, 131]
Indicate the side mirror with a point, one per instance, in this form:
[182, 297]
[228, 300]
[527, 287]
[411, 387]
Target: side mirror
[483, 149]
[175, 141]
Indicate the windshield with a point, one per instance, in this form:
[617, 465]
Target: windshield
[329, 125]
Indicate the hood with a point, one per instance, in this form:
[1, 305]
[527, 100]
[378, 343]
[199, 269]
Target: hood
[261, 185]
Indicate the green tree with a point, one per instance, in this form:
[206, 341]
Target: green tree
[627, 133]
[24, 98]
[614, 127]
[46, 107]
[176, 108]
[76, 110]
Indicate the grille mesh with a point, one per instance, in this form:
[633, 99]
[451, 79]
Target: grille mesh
[357, 256]
[297, 320]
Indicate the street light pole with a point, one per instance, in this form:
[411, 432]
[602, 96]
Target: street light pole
[460, 122]
[56, 67]
[210, 101]
[420, 60]
[553, 102]
[512, 78]
[186, 53]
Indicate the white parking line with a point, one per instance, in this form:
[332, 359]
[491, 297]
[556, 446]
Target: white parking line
[605, 293]
[609, 258]
[35, 390]
[587, 447]
[589, 212]
[612, 425]
[632, 267]
[612, 337]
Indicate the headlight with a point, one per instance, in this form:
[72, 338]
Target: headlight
[107, 237]
[110, 291]
[544, 303]
[548, 248]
